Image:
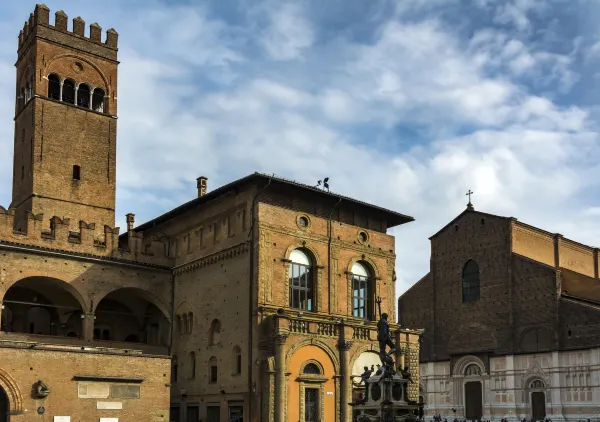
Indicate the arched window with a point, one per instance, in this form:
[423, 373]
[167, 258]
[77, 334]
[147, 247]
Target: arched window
[184, 324]
[311, 369]
[178, 324]
[68, 91]
[213, 370]
[190, 320]
[473, 370]
[301, 281]
[361, 291]
[192, 365]
[83, 96]
[98, 100]
[28, 93]
[174, 369]
[237, 356]
[470, 282]
[53, 87]
[215, 333]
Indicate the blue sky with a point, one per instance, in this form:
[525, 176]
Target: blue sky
[403, 104]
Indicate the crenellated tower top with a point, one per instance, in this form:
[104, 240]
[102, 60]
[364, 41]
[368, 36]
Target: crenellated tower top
[38, 25]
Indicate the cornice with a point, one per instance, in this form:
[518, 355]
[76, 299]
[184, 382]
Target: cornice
[213, 258]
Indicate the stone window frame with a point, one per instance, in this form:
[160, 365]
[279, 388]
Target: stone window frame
[375, 287]
[316, 381]
[317, 274]
[308, 221]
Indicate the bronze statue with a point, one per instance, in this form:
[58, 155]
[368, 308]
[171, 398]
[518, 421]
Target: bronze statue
[385, 340]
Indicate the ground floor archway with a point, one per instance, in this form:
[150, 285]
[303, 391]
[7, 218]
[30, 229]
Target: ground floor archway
[4, 406]
[538, 405]
[473, 400]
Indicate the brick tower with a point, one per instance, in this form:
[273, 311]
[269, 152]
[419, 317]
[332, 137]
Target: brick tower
[65, 121]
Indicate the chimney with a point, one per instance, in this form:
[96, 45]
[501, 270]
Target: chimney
[130, 221]
[201, 184]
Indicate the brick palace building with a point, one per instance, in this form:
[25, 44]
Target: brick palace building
[512, 322]
[255, 301]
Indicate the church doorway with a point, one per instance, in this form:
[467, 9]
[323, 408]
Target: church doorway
[538, 405]
[473, 400]
[4, 406]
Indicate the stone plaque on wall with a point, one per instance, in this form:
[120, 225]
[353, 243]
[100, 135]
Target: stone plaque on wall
[109, 405]
[125, 391]
[62, 419]
[93, 390]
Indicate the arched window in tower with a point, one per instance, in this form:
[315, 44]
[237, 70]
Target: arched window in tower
[28, 92]
[68, 91]
[215, 333]
[301, 281]
[470, 282]
[54, 87]
[98, 100]
[361, 291]
[190, 320]
[184, 324]
[192, 365]
[83, 96]
[178, 324]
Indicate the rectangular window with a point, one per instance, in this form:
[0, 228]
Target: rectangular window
[230, 227]
[301, 287]
[236, 413]
[213, 374]
[213, 413]
[174, 414]
[193, 414]
[359, 296]
[76, 173]
[22, 172]
[188, 241]
[238, 364]
[311, 405]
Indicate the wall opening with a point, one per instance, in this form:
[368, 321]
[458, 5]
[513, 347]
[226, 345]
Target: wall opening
[4, 406]
[83, 96]
[76, 173]
[54, 87]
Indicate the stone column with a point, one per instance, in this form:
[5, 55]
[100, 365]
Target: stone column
[87, 325]
[280, 403]
[346, 373]
[91, 98]
[61, 90]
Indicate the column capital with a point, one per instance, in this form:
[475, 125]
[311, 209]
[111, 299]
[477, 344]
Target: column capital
[280, 338]
[344, 345]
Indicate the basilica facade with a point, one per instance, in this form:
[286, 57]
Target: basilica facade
[254, 301]
[512, 322]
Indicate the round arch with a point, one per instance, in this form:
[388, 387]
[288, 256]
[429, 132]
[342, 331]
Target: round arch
[461, 365]
[32, 279]
[184, 308]
[314, 342]
[308, 248]
[10, 387]
[370, 264]
[362, 349]
[140, 293]
[82, 59]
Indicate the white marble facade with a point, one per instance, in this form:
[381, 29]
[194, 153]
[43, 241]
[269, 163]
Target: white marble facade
[565, 384]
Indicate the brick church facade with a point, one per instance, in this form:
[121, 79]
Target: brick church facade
[512, 322]
[255, 301]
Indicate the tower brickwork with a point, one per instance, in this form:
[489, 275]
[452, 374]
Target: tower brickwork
[65, 121]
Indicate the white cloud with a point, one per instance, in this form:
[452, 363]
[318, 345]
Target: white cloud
[195, 99]
[288, 33]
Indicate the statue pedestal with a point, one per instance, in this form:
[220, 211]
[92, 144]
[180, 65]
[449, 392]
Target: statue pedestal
[385, 399]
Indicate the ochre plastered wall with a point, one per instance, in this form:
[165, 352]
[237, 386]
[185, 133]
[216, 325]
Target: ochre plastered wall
[296, 384]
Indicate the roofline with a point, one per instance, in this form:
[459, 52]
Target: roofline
[414, 285]
[464, 212]
[394, 217]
